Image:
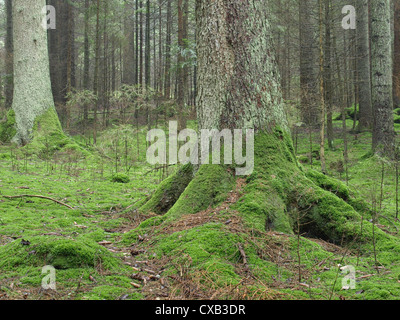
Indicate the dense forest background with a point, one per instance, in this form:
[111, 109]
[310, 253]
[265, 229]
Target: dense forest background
[101, 52]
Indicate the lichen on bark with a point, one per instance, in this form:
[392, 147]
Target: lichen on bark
[32, 97]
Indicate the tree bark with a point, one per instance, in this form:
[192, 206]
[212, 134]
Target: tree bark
[182, 79]
[33, 102]
[308, 73]
[396, 62]
[382, 77]
[8, 83]
[364, 66]
[238, 79]
[167, 80]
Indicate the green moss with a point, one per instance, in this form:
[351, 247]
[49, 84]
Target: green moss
[7, 127]
[209, 187]
[330, 184]
[208, 247]
[169, 191]
[110, 292]
[48, 137]
[120, 178]
[61, 253]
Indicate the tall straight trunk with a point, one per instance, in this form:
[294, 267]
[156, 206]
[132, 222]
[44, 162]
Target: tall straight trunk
[8, 83]
[364, 66]
[58, 39]
[155, 63]
[147, 60]
[86, 51]
[396, 62]
[308, 74]
[321, 86]
[128, 51]
[96, 71]
[86, 63]
[141, 43]
[70, 59]
[33, 100]
[113, 66]
[105, 67]
[167, 81]
[160, 49]
[182, 68]
[328, 74]
[137, 42]
[148, 47]
[382, 77]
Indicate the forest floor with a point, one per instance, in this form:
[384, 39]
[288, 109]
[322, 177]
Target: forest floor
[101, 247]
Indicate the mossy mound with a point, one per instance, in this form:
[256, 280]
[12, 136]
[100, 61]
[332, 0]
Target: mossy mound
[47, 135]
[350, 113]
[120, 178]
[61, 253]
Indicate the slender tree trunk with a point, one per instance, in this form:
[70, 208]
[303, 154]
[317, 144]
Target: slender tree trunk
[396, 62]
[147, 48]
[328, 74]
[321, 86]
[70, 59]
[364, 66]
[308, 76]
[137, 42]
[182, 69]
[33, 102]
[160, 49]
[167, 81]
[382, 77]
[8, 83]
[96, 71]
[141, 43]
[128, 51]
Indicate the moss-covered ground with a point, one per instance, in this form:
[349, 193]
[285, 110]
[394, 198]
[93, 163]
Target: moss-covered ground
[285, 232]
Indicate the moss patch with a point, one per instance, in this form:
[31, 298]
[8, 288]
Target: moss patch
[7, 127]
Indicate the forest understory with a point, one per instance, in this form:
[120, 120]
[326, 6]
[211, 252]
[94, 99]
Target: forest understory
[95, 224]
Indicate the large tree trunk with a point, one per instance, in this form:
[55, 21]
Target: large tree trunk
[382, 77]
[238, 79]
[239, 88]
[33, 100]
[364, 66]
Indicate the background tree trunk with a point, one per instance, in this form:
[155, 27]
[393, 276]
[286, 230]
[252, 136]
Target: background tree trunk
[308, 73]
[382, 77]
[182, 73]
[396, 62]
[8, 83]
[364, 66]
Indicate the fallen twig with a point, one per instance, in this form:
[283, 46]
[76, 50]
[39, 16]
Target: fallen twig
[38, 196]
[243, 254]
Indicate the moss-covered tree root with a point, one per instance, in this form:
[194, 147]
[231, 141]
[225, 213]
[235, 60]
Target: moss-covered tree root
[279, 195]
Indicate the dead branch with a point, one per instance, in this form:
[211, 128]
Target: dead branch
[38, 196]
